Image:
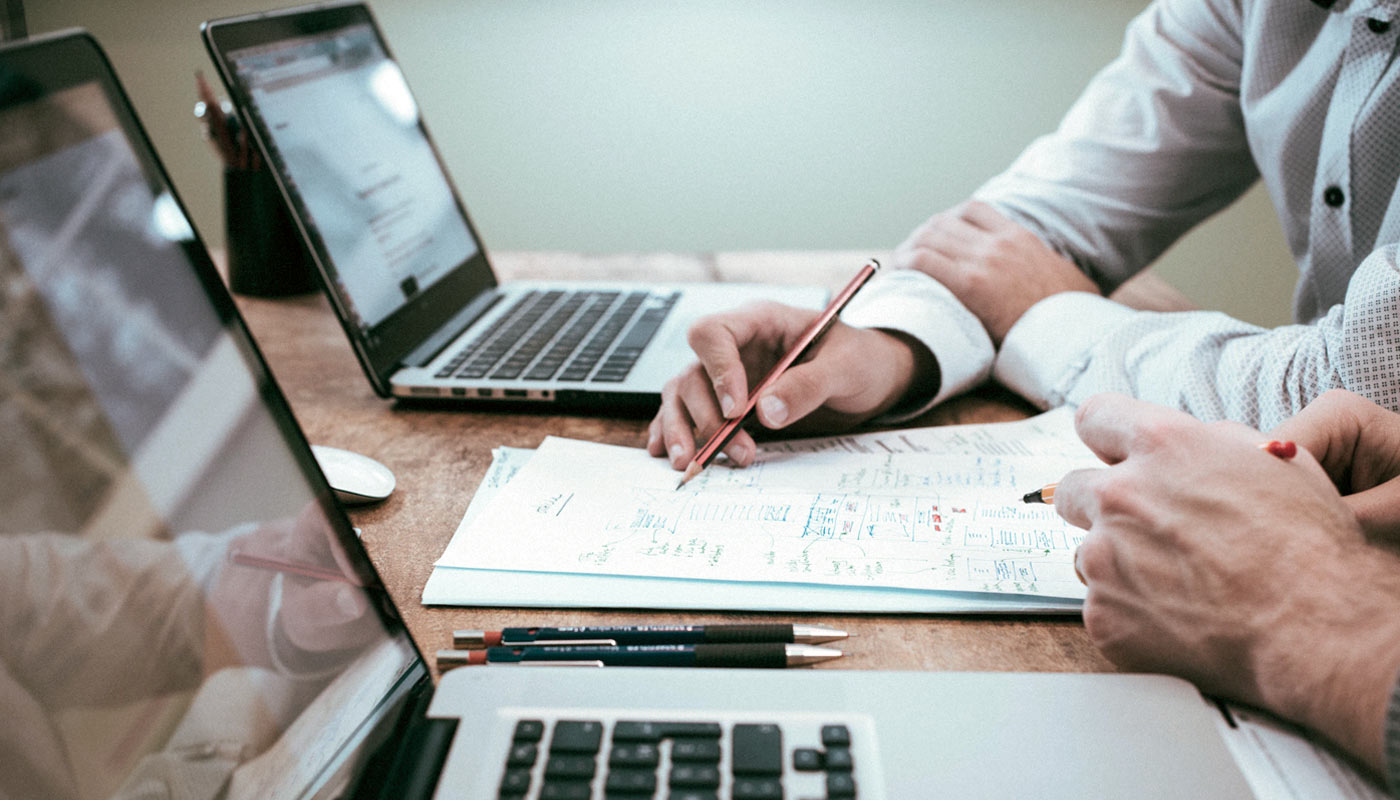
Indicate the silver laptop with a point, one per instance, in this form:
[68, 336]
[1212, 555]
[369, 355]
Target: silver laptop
[186, 612]
[404, 267]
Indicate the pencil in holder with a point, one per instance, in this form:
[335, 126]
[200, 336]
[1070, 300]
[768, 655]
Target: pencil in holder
[266, 256]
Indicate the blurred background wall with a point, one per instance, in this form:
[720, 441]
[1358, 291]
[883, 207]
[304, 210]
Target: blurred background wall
[625, 125]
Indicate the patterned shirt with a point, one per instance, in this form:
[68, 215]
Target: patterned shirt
[1207, 97]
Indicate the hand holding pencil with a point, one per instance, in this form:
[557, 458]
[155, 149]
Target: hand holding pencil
[849, 375]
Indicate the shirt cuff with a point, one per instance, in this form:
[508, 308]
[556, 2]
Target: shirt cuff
[912, 303]
[1049, 346]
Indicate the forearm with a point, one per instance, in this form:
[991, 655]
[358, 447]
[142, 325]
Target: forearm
[1069, 347]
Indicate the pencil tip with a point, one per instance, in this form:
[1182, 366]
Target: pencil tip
[690, 472]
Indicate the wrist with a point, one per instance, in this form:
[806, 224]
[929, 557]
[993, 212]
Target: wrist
[912, 367]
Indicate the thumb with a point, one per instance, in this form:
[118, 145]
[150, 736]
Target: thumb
[796, 393]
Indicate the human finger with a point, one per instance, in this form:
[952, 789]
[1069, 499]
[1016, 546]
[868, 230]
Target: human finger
[718, 341]
[655, 445]
[1076, 496]
[689, 412]
[1378, 511]
[706, 419]
[982, 216]
[677, 431]
[1356, 441]
[798, 392]
[1112, 425]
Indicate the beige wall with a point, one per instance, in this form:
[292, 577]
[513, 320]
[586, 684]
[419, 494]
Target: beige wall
[608, 125]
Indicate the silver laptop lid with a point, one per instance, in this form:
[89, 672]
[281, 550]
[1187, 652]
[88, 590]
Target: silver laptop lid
[184, 611]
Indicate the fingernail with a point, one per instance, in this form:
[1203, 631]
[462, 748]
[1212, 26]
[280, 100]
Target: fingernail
[726, 405]
[774, 410]
[651, 439]
[745, 454]
[676, 452]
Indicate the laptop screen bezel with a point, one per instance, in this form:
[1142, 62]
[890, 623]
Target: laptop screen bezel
[50, 63]
[382, 349]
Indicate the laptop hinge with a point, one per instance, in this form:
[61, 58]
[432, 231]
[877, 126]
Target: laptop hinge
[409, 763]
[451, 329]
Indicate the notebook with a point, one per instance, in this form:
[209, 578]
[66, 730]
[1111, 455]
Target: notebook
[187, 612]
[400, 259]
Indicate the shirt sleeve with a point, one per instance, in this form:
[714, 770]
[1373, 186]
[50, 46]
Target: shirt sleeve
[912, 303]
[1155, 144]
[1207, 363]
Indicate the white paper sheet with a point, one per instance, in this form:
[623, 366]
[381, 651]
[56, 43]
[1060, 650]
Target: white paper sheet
[832, 514]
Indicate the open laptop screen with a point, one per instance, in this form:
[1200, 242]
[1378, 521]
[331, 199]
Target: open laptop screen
[332, 112]
[183, 610]
[345, 128]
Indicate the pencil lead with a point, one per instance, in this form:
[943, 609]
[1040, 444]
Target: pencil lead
[690, 472]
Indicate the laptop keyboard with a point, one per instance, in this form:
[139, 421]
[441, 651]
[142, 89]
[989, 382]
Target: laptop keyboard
[559, 335]
[677, 760]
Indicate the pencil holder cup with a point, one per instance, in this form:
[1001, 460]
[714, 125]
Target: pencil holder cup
[266, 256]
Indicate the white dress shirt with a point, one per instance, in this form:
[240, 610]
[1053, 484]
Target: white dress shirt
[1206, 97]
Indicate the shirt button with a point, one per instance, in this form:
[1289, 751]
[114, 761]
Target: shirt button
[1333, 196]
[1378, 25]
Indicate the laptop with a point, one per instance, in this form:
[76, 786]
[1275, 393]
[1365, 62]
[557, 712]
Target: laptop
[404, 267]
[186, 612]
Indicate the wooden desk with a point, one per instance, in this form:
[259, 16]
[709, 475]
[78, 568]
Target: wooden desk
[439, 457]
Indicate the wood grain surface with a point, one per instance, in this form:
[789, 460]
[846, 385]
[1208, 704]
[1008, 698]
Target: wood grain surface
[439, 457]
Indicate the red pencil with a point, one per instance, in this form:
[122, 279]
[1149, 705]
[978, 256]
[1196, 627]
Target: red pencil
[819, 326]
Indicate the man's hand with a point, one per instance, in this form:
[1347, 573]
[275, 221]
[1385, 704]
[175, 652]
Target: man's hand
[1358, 443]
[849, 375]
[997, 268]
[1247, 574]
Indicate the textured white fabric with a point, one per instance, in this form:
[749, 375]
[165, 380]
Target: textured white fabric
[1204, 361]
[1206, 97]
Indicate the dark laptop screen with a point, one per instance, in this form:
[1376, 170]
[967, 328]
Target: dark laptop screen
[345, 128]
[183, 612]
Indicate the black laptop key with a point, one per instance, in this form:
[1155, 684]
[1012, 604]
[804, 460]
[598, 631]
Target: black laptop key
[566, 790]
[697, 751]
[515, 782]
[628, 731]
[634, 731]
[573, 736]
[630, 781]
[641, 754]
[570, 768]
[522, 754]
[838, 759]
[807, 759]
[528, 730]
[647, 324]
[757, 789]
[836, 736]
[692, 730]
[695, 776]
[840, 784]
[758, 750]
